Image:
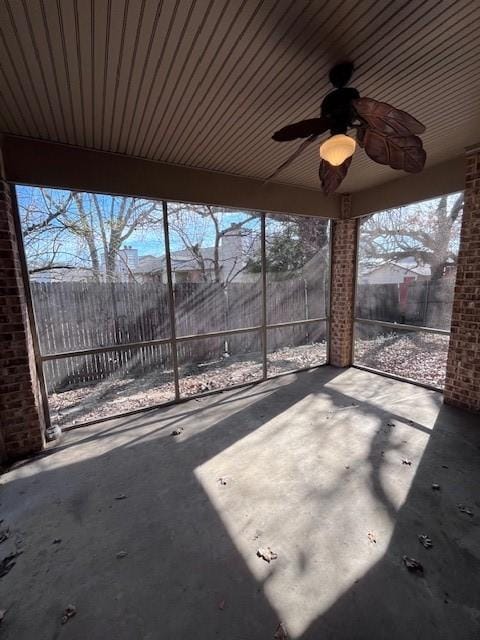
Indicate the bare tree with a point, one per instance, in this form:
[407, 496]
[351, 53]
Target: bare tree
[426, 232]
[105, 228]
[69, 229]
[201, 230]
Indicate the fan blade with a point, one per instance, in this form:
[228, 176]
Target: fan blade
[291, 158]
[386, 119]
[302, 129]
[398, 152]
[361, 131]
[331, 177]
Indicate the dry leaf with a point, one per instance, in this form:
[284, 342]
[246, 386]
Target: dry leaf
[435, 486]
[281, 632]
[465, 509]
[222, 481]
[57, 541]
[406, 461]
[371, 537]
[177, 431]
[8, 563]
[413, 565]
[4, 534]
[122, 554]
[426, 541]
[267, 554]
[68, 613]
[122, 496]
[221, 605]
[2, 614]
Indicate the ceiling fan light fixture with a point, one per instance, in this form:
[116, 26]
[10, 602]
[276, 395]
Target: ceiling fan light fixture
[337, 149]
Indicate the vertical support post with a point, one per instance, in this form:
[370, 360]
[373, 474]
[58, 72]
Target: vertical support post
[30, 310]
[342, 289]
[171, 300]
[462, 383]
[22, 428]
[264, 295]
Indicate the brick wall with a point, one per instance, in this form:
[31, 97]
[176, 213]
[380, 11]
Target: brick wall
[344, 243]
[462, 385]
[21, 418]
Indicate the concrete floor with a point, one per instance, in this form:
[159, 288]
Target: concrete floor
[311, 468]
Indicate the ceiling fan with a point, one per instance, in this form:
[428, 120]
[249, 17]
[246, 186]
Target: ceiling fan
[388, 136]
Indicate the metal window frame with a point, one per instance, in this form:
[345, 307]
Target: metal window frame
[173, 340]
[394, 325]
[403, 327]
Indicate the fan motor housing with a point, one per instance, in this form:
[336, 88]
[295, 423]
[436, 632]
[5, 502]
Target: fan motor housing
[337, 107]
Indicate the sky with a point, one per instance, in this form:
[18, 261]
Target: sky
[146, 241]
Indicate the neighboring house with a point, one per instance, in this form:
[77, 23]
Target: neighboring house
[61, 274]
[236, 247]
[400, 272]
[125, 264]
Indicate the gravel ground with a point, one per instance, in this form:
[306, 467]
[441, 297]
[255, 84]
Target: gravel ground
[418, 356]
[123, 392]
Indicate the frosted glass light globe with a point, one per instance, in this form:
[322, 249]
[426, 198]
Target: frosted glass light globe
[337, 149]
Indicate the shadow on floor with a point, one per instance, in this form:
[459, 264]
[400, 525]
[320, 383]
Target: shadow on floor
[306, 458]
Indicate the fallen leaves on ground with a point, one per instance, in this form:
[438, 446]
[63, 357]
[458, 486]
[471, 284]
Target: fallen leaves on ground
[371, 537]
[122, 554]
[418, 356]
[177, 431]
[122, 496]
[8, 563]
[267, 554]
[426, 541]
[435, 486]
[406, 461]
[466, 510]
[281, 632]
[68, 613]
[413, 565]
[126, 391]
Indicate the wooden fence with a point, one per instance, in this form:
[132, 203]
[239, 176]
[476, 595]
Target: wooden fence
[73, 316]
[418, 303]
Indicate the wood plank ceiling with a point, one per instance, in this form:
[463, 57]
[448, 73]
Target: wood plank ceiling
[204, 83]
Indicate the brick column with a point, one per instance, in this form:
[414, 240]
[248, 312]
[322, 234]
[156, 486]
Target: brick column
[342, 295]
[21, 416]
[462, 384]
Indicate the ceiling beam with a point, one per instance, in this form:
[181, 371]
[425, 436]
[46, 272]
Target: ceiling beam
[48, 164]
[435, 181]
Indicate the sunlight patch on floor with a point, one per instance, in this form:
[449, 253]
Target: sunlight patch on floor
[312, 485]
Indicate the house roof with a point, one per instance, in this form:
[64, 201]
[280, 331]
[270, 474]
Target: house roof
[201, 88]
[182, 260]
[421, 270]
